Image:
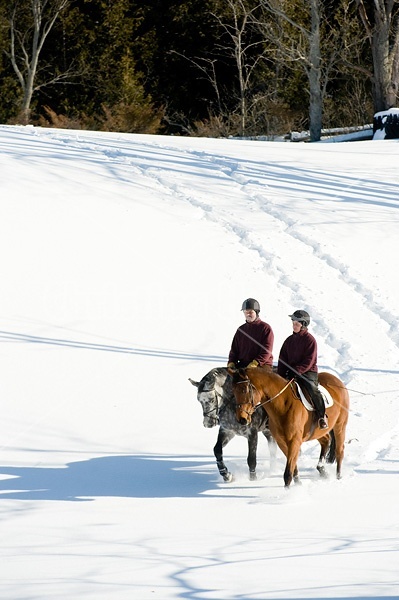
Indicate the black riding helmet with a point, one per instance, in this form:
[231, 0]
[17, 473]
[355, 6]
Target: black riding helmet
[301, 316]
[251, 304]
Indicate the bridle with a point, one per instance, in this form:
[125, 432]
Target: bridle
[250, 392]
[213, 412]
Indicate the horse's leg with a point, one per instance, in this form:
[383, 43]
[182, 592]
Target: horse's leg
[291, 469]
[224, 437]
[341, 398]
[252, 447]
[324, 443]
[339, 448]
[295, 475]
[272, 448]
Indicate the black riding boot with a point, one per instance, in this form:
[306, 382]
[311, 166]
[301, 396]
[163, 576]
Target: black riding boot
[309, 382]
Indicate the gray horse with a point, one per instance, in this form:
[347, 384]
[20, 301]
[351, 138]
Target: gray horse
[215, 393]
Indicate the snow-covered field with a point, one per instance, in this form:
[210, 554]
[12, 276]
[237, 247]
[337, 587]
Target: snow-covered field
[124, 261]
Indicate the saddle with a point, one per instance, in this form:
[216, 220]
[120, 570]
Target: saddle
[328, 399]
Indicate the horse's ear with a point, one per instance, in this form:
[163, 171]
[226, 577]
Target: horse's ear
[196, 383]
[242, 373]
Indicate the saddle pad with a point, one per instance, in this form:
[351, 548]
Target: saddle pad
[328, 400]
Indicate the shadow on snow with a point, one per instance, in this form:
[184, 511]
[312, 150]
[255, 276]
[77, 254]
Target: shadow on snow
[35, 339]
[110, 476]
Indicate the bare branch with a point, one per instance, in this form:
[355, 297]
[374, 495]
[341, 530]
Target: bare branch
[30, 44]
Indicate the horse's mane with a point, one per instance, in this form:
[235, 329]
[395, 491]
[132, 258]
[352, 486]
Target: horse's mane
[209, 380]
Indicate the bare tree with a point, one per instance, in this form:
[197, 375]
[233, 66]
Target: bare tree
[239, 42]
[239, 31]
[27, 39]
[380, 20]
[298, 38]
[312, 65]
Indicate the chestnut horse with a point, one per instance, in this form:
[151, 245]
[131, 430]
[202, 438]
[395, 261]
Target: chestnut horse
[290, 422]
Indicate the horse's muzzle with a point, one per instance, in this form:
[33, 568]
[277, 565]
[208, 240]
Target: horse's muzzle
[209, 422]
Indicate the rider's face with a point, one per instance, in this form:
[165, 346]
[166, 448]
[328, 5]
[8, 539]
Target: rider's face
[250, 315]
[296, 326]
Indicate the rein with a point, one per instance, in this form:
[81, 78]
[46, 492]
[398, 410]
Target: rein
[276, 395]
[252, 387]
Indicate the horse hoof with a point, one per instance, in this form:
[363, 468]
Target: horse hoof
[252, 476]
[323, 472]
[227, 477]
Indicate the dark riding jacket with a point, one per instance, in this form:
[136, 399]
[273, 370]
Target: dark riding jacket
[298, 356]
[252, 341]
[299, 353]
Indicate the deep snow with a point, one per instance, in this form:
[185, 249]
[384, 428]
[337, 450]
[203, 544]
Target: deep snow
[124, 261]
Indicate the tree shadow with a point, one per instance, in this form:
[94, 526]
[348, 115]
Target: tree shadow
[13, 336]
[136, 476]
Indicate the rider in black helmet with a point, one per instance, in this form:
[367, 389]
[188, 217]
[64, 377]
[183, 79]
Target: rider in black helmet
[298, 359]
[252, 345]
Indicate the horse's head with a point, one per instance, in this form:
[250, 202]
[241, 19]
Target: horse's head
[246, 395]
[210, 396]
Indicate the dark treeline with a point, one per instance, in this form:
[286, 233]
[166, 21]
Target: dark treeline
[195, 67]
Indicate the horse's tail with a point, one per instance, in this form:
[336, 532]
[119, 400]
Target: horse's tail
[331, 454]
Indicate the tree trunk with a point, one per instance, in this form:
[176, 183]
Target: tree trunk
[382, 70]
[30, 42]
[301, 46]
[314, 75]
[382, 29]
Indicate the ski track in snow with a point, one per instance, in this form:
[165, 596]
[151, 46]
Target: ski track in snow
[262, 196]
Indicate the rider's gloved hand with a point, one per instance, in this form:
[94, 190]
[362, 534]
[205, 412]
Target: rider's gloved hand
[253, 363]
[231, 365]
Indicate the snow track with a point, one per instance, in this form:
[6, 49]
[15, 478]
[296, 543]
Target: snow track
[304, 265]
[257, 205]
[124, 261]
